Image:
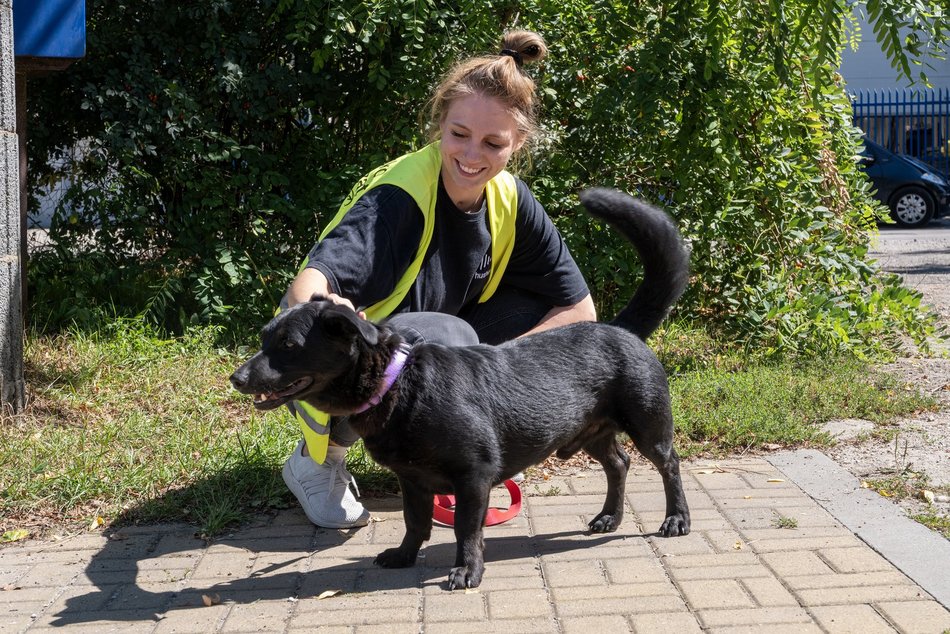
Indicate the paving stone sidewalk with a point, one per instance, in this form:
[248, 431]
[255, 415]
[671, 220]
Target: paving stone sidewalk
[763, 557]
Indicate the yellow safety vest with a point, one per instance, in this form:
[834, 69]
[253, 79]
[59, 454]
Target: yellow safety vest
[417, 173]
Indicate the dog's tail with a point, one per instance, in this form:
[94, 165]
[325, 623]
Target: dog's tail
[664, 256]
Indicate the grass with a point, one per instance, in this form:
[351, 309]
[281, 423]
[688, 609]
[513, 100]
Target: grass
[909, 484]
[783, 521]
[934, 521]
[724, 403]
[129, 426]
[785, 404]
[132, 427]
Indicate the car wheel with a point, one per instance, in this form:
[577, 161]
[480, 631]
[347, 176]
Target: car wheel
[912, 207]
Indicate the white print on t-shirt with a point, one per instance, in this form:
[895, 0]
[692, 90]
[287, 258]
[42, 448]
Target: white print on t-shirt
[484, 267]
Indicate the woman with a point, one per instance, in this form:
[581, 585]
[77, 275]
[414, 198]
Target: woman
[446, 244]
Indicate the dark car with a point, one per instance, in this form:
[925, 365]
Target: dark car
[915, 192]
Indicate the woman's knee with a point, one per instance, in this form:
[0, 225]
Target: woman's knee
[429, 327]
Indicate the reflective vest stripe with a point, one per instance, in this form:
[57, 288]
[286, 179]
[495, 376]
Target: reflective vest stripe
[313, 423]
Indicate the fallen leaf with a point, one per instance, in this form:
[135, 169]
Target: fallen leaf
[14, 535]
[746, 497]
[326, 594]
[865, 485]
[737, 545]
[9, 587]
[927, 496]
[214, 599]
[96, 522]
[775, 480]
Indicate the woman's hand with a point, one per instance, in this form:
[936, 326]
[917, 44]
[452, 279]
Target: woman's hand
[342, 301]
[311, 281]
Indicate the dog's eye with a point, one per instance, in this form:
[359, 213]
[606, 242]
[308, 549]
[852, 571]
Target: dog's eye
[288, 344]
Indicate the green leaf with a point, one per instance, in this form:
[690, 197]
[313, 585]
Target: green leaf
[14, 535]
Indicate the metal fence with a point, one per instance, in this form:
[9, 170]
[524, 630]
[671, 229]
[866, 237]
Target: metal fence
[908, 121]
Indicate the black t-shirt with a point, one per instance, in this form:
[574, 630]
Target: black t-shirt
[365, 255]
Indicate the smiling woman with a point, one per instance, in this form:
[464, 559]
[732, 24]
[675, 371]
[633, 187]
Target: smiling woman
[445, 239]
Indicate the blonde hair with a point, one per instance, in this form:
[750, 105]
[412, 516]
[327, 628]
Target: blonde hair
[499, 76]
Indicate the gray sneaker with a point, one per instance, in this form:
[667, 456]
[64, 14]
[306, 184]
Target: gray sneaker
[323, 491]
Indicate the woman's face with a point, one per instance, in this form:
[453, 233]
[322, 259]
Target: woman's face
[479, 135]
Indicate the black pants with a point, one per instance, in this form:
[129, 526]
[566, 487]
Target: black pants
[508, 314]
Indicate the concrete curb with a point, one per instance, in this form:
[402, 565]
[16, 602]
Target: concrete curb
[918, 552]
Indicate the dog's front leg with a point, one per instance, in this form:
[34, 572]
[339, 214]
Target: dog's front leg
[417, 513]
[471, 505]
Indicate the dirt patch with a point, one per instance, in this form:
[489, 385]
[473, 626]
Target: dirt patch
[912, 455]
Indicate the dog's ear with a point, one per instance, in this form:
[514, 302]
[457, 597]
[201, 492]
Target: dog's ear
[340, 321]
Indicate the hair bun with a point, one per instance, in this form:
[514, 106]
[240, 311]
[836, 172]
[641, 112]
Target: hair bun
[528, 45]
[515, 55]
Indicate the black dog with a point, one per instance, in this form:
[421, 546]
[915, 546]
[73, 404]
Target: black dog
[461, 420]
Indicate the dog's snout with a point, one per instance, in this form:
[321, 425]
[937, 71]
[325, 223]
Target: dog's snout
[239, 378]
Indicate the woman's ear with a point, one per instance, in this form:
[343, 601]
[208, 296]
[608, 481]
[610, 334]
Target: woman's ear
[519, 142]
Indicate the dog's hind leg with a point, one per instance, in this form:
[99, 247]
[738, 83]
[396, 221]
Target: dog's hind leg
[417, 512]
[607, 451]
[471, 505]
[654, 439]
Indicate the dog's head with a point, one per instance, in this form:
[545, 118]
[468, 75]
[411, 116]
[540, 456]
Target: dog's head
[302, 350]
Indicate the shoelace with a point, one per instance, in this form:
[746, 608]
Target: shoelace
[348, 479]
[337, 472]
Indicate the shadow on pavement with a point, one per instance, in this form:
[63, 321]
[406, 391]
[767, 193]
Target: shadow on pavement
[129, 578]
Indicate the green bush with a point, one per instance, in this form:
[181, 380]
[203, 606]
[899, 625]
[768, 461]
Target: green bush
[217, 137]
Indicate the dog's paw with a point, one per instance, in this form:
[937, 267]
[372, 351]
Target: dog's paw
[675, 525]
[465, 577]
[395, 558]
[604, 523]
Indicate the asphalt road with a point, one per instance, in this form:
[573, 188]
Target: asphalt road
[922, 256]
[937, 229]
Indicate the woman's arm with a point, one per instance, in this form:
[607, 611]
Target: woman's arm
[359, 261]
[310, 281]
[562, 315]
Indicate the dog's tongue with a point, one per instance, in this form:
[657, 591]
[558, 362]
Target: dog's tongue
[261, 398]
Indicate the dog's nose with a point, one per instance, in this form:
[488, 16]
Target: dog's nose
[238, 379]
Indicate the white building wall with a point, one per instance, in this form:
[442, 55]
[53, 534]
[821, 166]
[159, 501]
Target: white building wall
[867, 68]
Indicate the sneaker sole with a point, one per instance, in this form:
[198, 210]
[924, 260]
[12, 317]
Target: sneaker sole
[297, 490]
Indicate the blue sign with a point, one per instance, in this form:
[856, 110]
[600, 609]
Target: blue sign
[49, 28]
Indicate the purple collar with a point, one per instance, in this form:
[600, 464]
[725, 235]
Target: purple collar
[393, 370]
